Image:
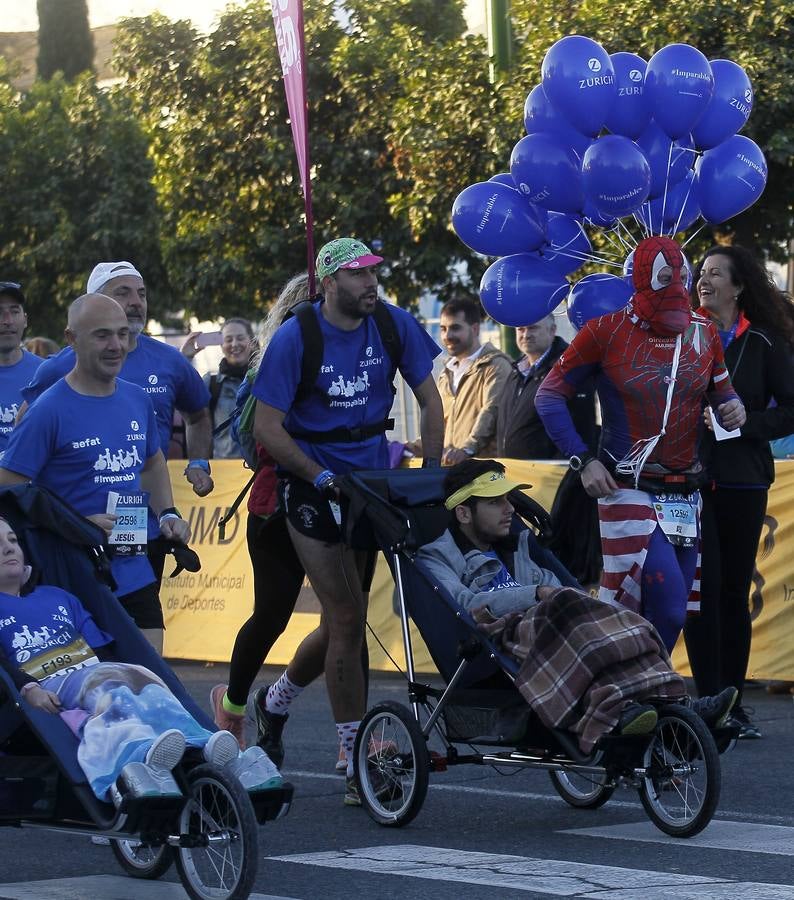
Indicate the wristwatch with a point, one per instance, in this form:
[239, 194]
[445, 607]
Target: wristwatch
[578, 463]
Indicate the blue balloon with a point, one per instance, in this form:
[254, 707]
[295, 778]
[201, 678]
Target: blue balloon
[540, 116]
[547, 172]
[504, 178]
[521, 289]
[730, 178]
[495, 220]
[730, 106]
[597, 295]
[567, 244]
[678, 88]
[655, 144]
[616, 176]
[579, 80]
[677, 212]
[629, 114]
[596, 218]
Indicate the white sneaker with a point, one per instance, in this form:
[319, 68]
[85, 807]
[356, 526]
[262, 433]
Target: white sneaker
[221, 749]
[254, 769]
[166, 750]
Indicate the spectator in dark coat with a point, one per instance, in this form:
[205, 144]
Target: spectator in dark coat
[519, 431]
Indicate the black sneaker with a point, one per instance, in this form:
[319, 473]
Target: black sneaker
[637, 718]
[714, 710]
[269, 727]
[747, 730]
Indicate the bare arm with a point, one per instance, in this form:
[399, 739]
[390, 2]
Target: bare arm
[21, 412]
[431, 420]
[269, 431]
[198, 435]
[8, 477]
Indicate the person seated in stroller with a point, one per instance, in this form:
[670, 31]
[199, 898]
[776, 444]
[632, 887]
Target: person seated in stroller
[132, 730]
[587, 666]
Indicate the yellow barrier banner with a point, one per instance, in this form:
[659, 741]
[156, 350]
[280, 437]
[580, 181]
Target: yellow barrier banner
[204, 610]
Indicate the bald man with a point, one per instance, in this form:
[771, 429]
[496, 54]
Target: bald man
[92, 439]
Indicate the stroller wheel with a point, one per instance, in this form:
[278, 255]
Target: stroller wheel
[392, 764]
[217, 857]
[681, 786]
[142, 860]
[582, 791]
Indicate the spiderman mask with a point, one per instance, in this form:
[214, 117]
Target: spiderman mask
[660, 298]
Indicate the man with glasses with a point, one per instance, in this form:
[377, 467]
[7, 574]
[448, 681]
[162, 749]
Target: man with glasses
[17, 366]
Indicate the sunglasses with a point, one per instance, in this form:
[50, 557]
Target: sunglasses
[13, 285]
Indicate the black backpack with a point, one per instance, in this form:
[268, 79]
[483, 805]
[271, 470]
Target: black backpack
[312, 359]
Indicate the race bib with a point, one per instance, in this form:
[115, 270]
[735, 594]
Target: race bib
[677, 517]
[129, 535]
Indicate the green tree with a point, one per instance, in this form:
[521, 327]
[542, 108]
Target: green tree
[76, 189]
[65, 40]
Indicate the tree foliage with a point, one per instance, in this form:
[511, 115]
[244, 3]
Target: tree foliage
[76, 188]
[65, 40]
[189, 168]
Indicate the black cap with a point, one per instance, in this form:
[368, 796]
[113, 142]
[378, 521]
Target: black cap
[13, 290]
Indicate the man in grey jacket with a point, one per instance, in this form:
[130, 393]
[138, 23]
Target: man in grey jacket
[604, 659]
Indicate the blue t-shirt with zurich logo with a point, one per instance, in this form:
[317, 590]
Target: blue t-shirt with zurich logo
[167, 377]
[353, 387]
[83, 447]
[12, 380]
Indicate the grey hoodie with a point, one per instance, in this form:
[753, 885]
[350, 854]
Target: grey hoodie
[466, 577]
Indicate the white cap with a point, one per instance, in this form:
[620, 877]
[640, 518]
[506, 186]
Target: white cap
[103, 272]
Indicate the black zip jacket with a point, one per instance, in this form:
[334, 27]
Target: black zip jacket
[761, 367]
[519, 431]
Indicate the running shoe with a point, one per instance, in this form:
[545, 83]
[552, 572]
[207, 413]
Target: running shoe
[748, 730]
[269, 727]
[166, 750]
[715, 710]
[221, 749]
[225, 720]
[637, 718]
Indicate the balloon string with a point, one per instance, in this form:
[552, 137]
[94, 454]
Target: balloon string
[618, 247]
[691, 237]
[586, 257]
[666, 180]
[683, 208]
[632, 241]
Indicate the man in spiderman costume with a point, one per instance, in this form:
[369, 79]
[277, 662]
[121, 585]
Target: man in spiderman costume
[655, 363]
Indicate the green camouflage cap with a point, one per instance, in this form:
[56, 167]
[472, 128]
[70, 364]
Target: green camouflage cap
[344, 253]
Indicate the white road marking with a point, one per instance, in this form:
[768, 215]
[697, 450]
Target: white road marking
[536, 876]
[108, 887]
[458, 788]
[719, 835]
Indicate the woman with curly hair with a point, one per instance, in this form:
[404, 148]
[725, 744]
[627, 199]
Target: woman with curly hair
[756, 325]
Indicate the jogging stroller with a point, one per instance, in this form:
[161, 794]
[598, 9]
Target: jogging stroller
[676, 769]
[211, 831]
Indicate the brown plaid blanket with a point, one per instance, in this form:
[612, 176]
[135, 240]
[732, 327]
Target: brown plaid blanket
[582, 659]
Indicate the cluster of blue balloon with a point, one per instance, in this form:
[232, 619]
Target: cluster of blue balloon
[609, 137]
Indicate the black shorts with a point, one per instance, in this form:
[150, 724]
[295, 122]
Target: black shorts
[144, 606]
[310, 513]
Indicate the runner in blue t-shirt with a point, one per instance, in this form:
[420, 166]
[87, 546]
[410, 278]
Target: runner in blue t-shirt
[92, 440]
[338, 427]
[161, 370]
[17, 366]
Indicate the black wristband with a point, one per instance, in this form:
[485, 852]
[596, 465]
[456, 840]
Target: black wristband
[170, 511]
[431, 462]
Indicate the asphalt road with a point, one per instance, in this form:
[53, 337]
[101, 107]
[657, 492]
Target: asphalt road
[480, 834]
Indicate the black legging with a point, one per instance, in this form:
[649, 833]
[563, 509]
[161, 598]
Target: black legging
[718, 640]
[278, 576]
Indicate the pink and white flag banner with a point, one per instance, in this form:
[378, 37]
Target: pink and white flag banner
[288, 22]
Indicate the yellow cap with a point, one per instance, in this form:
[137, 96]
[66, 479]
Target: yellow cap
[489, 484]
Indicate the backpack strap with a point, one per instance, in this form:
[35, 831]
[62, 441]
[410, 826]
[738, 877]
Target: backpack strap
[312, 338]
[215, 392]
[389, 336]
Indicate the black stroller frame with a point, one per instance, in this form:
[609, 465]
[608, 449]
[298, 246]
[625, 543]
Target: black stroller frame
[675, 769]
[211, 832]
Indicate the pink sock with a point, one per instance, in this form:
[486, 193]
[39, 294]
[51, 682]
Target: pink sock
[347, 732]
[281, 694]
